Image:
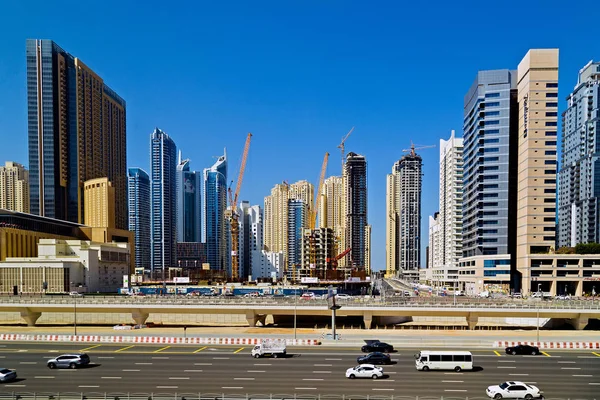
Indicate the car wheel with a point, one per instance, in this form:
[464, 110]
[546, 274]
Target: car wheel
[352, 376]
[256, 355]
[534, 353]
[275, 355]
[457, 369]
[72, 365]
[497, 396]
[51, 365]
[425, 368]
[374, 377]
[528, 396]
[514, 353]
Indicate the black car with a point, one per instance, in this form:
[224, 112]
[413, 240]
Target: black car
[377, 347]
[523, 349]
[374, 358]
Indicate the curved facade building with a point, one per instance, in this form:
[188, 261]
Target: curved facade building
[213, 214]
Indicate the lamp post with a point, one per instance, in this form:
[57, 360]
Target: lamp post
[537, 325]
[75, 311]
[295, 305]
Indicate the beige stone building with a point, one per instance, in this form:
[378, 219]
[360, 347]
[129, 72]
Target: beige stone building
[99, 201]
[14, 187]
[332, 212]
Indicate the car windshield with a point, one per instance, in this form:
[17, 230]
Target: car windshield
[4, 371]
[503, 385]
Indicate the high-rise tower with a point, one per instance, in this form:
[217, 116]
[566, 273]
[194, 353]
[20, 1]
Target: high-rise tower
[163, 164]
[579, 177]
[251, 239]
[77, 132]
[139, 215]
[189, 201]
[332, 212]
[14, 187]
[215, 230]
[297, 222]
[355, 174]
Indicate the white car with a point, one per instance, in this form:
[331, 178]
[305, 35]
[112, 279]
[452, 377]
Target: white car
[365, 371]
[343, 296]
[7, 375]
[513, 390]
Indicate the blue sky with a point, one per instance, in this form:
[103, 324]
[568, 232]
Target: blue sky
[297, 74]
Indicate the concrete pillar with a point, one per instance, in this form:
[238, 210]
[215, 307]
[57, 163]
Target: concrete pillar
[472, 321]
[30, 317]
[553, 288]
[262, 319]
[368, 319]
[251, 318]
[579, 289]
[139, 317]
[580, 322]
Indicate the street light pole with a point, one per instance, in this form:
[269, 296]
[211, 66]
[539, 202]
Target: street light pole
[75, 316]
[538, 313]
[295, 305]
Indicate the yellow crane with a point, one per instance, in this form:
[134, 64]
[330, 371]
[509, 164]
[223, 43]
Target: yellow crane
[413, 148]
[341, 146]
[313, 215]
[234, 224]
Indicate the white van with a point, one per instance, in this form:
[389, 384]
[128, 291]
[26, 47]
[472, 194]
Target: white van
[446, 360]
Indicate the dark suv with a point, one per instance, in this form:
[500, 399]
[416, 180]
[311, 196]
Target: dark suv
[377, 347]
[69, 361]
[374, 358]
[523, 349]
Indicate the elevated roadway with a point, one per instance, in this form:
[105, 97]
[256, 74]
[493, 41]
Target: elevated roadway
[315, 371]
[31, 308]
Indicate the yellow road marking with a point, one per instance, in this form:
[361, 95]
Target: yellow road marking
[596, 354]
[498, 354]
[159, 350]
[546, 354]
[124, 348]
[238, 350]
[200, 349]
[91, 347]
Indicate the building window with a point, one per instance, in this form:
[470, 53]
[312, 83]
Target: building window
[551, 94]
[550, 133]
[493, 122]
[551, 123]
[552, 85]
[551, 104]
[492, 113]
[550, 143]
[492, 104]
[551, 152]
[551, 114]
[491, 95]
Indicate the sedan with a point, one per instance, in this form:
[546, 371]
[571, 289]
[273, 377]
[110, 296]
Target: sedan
[374, 358]
[377, 347]
[523, 349]
[513, 390]
[7, 375]
[364, 371]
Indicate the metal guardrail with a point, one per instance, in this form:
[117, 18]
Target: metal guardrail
[354, 302]
[224, 396]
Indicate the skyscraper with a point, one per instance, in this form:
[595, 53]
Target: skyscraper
[404, 217]
[276, 216]
[14, 187]
[99, 200]
[139, 215]
[297, 220]
[579, 177]
[355, 174]
[163, 164]
[215, 232]
[251, 240]
[189, 201]
[332, 212]
[77, 132]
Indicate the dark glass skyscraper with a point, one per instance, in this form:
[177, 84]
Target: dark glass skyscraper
[215, 232]
[189, 200]
[76, 131]
[355, 174]
[163, 163]
[297, 220]
[139, 214]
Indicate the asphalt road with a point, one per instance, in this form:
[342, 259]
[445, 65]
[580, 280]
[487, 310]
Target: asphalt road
[314, 370]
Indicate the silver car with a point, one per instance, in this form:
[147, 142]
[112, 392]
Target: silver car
[7, 375]
[72, 361]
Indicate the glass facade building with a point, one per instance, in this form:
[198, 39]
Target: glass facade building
[189, 199]
[490, 112]
[163, 163]
[214, 231]
[139, 215]
[297, 219]
[355, 173]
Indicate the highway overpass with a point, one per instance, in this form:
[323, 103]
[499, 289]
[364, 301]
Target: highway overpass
[31, 308]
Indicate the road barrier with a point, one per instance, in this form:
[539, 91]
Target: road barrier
[551, 345]
[146, 339]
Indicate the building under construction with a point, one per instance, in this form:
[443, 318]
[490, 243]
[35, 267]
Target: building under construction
[319, 247]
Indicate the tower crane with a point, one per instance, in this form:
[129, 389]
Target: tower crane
[413, 148]
[233, 215]
[315, 205]
[342, 148]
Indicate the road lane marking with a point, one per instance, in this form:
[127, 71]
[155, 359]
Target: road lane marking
[179, 377]
[262, 364]
[567, 362]
[506, 361]
[238, 350]
[192, 370]
[570, 368]
[594, 383]
[14, 385]
[497, 353]
[91, 347]
[583, 376]
[453, 373]
[321, 372]
[131, 370]
[505, 367]
[232, 387]
[455, 390]
[28, 362]
[159, 350]
[546, 354]
[518, 374]
[143, 363]
[596, 354]
[255, 370]
[312, 379]
[305, 388]
[89, 386]
[2, 356]
[203, 363]
[104, 357]
[453, 381]
[220, 358]
[243, 379]
[124, 348]
[377, 389]
[160, 358]
[333, 359]
[323, 365]
[587, 357]
[44, 377]
[167, 387]
[199, 350]
[110, 377]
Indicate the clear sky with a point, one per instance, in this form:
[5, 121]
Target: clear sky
[297, 74]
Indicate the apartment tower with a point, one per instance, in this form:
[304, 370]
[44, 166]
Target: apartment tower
[14, 187]
[579, 176]
[77, 132]
[139, 215]
[332, 212]
[99, 201]
[536, 190]
[251, 239]
[298, 215]
[355, 174]
[163, 163]
[215, 231]
[404, 217]
[189, 201]
[276, 216]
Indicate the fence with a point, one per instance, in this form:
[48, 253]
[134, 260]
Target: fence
[224, 396]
